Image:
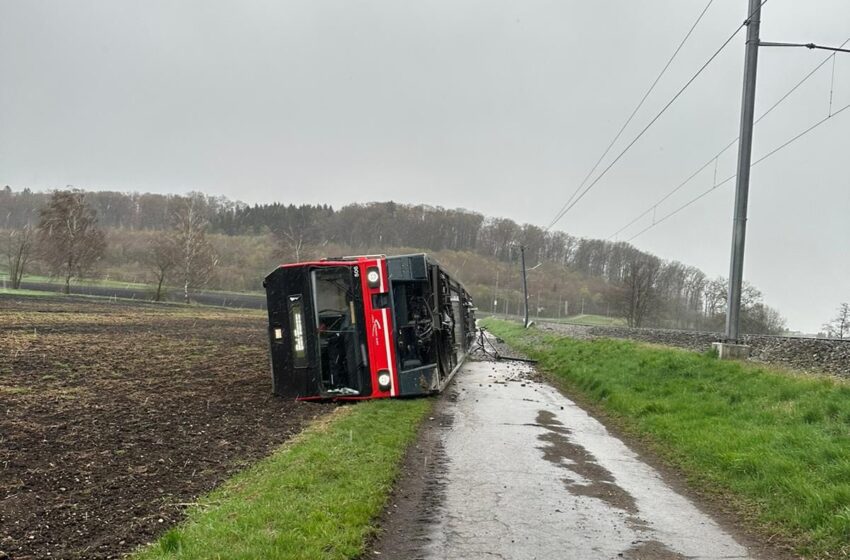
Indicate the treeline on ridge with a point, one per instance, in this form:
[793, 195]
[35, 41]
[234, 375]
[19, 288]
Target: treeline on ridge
[575, 275]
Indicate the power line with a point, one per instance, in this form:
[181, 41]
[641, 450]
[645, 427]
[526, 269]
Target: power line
[637, 108]
[730, 144]
[587, 189]
[674, 191]
[761, 159]
[832, 85]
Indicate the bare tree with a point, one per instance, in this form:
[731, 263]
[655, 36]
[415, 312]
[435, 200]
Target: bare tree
[196, 259]
[163, 258]
[70, 241]
[292, 237]
[715, 294]
[839, 327]
[759, 318]
[19, 248]
[638, 288]
[300, 233]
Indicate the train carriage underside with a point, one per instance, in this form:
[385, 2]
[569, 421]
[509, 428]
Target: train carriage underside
[366, 327]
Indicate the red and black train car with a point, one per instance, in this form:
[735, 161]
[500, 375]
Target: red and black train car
[366, 327]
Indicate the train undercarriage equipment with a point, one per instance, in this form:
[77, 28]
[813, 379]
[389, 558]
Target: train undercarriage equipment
[366, 327]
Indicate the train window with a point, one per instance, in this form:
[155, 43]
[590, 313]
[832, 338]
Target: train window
[296, 321]
[338, 330]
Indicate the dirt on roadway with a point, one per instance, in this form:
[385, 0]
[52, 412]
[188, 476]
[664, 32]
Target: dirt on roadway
[114, 417]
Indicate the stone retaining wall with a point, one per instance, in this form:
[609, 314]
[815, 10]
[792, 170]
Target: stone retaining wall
[808, 354]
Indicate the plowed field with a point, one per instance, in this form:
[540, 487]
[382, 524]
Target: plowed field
[116, 416]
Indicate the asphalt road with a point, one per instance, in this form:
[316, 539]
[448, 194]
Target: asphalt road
[510, 468]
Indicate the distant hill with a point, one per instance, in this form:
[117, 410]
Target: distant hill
[575, 275]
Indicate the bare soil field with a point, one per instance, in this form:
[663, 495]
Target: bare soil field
[116, 416]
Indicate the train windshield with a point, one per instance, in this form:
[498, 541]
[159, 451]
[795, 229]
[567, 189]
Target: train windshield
[339, 320]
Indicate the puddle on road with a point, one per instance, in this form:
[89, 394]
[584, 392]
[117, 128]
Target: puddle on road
[652, 550]
[568, 455]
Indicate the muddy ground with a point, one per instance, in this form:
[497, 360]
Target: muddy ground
[115, 416]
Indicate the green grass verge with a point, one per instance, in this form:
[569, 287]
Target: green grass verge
[316, 497]
[27, 293]
[113, 299]
[591, 320]
[99, 282]
[775, 444]
[78, 282]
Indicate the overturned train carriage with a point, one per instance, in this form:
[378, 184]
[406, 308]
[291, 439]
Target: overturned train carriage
[366, 327]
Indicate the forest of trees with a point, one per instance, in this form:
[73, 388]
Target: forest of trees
[588, 275]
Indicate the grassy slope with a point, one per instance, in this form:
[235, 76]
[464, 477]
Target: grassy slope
[75, 281]
[593, 320]
[776, 444]
[190, 307]
[25, 293]
[111, 283]
[316, 497]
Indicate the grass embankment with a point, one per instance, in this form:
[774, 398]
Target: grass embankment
[104, 283]
[775, 444]
[4, 274]
[317, 497]
[21, 293]
[591, 320]
[25, 293]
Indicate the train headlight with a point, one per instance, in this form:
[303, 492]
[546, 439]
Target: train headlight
[373, 277]
[384, 380]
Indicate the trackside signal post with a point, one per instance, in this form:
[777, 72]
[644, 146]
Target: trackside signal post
[524, 286]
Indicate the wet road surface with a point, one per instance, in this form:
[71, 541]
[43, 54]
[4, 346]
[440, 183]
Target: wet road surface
[527, 474]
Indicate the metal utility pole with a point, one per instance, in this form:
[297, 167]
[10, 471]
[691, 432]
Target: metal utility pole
[524, 284]
[742, 186]
[496, 295]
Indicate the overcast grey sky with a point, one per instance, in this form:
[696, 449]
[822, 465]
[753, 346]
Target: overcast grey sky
[499, 107]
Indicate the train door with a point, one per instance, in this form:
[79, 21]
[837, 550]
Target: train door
[338, 316]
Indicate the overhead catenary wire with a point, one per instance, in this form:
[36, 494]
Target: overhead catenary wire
[678, 94]
[728, 179]
[800, 83]
[675, 190]
[638, 107]
[832, 85]
[715, 158]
